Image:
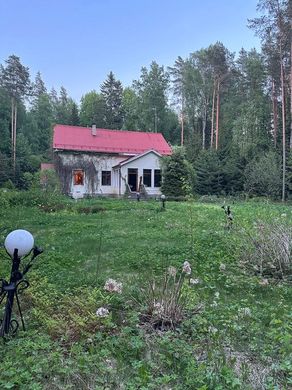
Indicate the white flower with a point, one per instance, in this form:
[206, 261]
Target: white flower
[112, 285]
[264, 282]
[217, 294]
[172, 271]
[158, 308]
[214, 304]
[102, 312]
[212, 330]
[187, 268]
[244, 311]
[194, 281]
[222, 267]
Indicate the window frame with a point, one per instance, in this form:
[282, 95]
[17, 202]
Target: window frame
[148, 175]
[106, 178]
[76, 182]
[157, 171]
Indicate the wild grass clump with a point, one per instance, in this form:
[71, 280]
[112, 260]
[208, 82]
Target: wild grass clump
[268, 251]
[166, 301]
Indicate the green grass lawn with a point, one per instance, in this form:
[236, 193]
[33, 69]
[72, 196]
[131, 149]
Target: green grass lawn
[236, 333]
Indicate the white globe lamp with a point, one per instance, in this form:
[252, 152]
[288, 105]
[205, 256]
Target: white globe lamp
[19, 239]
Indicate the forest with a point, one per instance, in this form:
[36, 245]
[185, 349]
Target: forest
[227, 115]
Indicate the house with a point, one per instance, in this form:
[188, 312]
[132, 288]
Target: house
[92, 161]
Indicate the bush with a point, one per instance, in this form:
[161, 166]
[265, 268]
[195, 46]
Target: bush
[269, 250]
[263, 176]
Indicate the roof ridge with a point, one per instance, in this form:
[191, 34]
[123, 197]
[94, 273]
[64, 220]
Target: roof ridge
[110, 130]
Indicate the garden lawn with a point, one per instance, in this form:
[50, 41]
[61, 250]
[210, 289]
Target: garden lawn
[236, 333]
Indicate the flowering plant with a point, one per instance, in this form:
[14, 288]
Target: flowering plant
[166, 301]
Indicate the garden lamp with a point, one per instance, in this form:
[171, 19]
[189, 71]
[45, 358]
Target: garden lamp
[19, 244]
[163, 199]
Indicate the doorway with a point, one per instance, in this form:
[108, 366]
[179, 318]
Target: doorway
[133, 178]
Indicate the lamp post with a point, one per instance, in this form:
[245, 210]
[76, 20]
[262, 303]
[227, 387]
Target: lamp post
[163, 199]
[18, 244]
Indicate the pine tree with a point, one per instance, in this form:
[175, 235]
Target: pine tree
[14, 78]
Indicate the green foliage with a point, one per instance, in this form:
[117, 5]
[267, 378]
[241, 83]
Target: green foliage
[240, 338]
[92, 110]
[177, 175]
[112, 92]
[209, 173]
[263, 176]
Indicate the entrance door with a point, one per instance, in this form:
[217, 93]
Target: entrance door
[133, 178]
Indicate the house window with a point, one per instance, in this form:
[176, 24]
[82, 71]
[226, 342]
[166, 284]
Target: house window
[147, 177]
[157, 178]
[78, 177]
[106, 178]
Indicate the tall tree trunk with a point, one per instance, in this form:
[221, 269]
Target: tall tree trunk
[283, 129]
[14, 138]
[290, 85]
[217, 114]
[182, 125]
[12, 128]
[275, 113]
[204, 125]
[212, 116]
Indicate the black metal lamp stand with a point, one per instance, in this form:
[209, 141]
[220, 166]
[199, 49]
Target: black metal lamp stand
[12, 289]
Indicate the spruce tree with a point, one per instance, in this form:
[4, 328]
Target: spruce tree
[177, 175]
[209, 175]
[112, 92]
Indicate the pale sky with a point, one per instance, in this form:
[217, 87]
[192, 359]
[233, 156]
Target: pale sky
[76, 43]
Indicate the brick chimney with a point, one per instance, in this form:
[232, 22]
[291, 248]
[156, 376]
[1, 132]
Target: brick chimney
[93, 130]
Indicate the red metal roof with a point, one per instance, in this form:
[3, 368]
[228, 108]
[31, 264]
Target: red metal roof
[108, 141]
[45, 166]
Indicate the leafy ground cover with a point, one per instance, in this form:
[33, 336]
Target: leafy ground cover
[236, 332]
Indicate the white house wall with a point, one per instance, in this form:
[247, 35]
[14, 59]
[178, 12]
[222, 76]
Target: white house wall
[101, 163]
[147, 161]
[119, 178]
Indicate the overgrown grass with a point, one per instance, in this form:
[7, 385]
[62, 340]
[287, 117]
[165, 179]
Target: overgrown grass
[241, 338]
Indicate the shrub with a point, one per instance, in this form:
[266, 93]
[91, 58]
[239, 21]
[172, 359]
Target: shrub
[263, 176]
[269, 250]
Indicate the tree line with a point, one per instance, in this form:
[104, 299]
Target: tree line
[230, 115]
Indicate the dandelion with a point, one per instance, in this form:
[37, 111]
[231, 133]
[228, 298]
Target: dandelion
[102, 312]
[187, 268]
[172, 271]
[112, 285]
[222, 267]
[194, 281]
